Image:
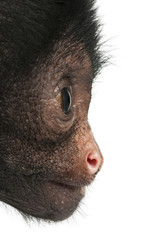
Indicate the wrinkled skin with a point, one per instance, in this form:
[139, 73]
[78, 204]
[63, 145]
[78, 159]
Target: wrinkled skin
[43, 151]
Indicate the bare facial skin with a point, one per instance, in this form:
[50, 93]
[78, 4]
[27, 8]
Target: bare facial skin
[47, 151]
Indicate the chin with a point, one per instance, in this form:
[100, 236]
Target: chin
[52, 201]
[61, 200]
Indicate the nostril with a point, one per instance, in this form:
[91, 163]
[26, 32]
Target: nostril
[93, 162]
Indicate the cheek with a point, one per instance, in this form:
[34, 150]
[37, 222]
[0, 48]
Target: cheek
[74, 161]
[55, 124]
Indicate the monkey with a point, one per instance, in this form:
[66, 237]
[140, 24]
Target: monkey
[50, 56]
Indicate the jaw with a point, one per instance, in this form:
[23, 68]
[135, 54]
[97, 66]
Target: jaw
[46, 200]
[62, 200]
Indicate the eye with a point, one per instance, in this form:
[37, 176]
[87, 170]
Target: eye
[66, 100]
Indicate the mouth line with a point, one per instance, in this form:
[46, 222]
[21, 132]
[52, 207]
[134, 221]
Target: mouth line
[73, 185]
[72, 188]
[69, 186]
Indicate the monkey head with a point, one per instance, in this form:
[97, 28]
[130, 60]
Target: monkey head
[48, 62]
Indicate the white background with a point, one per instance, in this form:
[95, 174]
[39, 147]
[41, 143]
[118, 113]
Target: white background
[112, 207]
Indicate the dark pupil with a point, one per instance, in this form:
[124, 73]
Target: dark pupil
[66, 100]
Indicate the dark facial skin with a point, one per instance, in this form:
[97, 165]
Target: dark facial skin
[47, 151]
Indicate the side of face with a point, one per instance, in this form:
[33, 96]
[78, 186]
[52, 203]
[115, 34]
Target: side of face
[47, 150]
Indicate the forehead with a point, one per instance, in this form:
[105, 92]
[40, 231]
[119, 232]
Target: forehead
[66, 59]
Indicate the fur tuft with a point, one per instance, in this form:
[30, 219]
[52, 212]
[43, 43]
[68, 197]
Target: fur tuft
[30, 27]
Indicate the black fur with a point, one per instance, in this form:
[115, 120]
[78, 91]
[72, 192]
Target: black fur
[30, 27]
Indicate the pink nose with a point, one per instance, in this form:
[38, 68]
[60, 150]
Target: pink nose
[94, 161]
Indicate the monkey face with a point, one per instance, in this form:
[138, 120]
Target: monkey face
[49, 56]
[49, 152]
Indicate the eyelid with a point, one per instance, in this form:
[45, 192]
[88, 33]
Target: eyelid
[63, 82]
